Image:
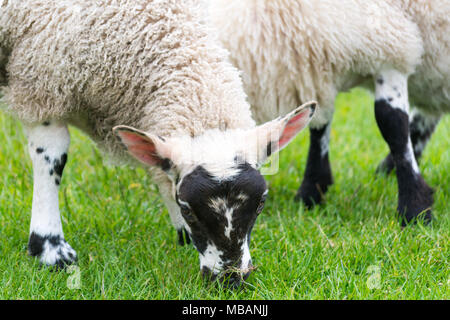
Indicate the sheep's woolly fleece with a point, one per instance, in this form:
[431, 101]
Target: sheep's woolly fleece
[294, 51]
[148, 64]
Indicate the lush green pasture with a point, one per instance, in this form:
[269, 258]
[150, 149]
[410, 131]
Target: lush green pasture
[352, 247]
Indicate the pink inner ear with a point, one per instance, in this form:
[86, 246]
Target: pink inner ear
[293, 127]
[140, 147]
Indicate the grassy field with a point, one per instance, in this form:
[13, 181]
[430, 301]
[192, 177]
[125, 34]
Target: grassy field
[352, 247]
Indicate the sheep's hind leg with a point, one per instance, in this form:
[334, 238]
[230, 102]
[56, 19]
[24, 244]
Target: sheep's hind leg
[421, 127]
[415, 197]
[318, 176]
[48, 144]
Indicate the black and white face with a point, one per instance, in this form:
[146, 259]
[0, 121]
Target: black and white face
[220, 215]
[217, 185]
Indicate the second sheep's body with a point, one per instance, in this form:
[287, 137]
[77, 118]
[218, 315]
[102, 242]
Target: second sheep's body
[291, 51]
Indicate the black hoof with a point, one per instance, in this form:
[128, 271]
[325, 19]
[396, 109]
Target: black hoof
[416, 205]
[52, 251]
[425, 216]
[311, 194]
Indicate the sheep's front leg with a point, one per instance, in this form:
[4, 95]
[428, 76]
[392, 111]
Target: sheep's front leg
[48, 145]
[318, 176]
[415, 197]
[421, 127]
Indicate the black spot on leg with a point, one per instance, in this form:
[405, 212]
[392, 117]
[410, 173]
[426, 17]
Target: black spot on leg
[390, 99]
[39, 150]
[59, 164]
[380, 81]
[57, 181]
[51, 172]
[54, 240]
[47, 159]
[35, 244]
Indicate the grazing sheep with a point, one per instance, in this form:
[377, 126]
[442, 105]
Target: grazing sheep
[144, 64]
[295, 50]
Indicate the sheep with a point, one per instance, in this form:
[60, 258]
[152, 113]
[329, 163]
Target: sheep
[291, 51]
[150, 86]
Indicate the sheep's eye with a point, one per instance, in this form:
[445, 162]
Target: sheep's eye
[187, 213]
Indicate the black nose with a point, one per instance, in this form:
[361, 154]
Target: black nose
[208, 275]
[231, 280]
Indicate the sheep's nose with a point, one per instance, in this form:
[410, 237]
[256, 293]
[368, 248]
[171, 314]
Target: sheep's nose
[231, 278]
[208, 274]
[232, 281]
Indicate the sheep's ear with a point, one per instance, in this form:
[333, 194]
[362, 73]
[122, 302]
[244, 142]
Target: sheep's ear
[277, 134]
[147, 148]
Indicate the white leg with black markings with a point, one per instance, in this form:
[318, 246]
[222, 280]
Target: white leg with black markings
[48, 144]
[391, 113]
[318, 176]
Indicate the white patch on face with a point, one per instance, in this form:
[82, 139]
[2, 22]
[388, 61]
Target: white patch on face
[211, 259]
[242, 197]
[246, 259]
[229, 217]
[219, 205]
[184, 203]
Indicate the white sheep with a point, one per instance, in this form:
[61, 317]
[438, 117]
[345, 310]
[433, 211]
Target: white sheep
[291, 51]
[151, 65]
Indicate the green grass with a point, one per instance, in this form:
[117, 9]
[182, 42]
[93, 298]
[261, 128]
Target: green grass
[127, 247]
